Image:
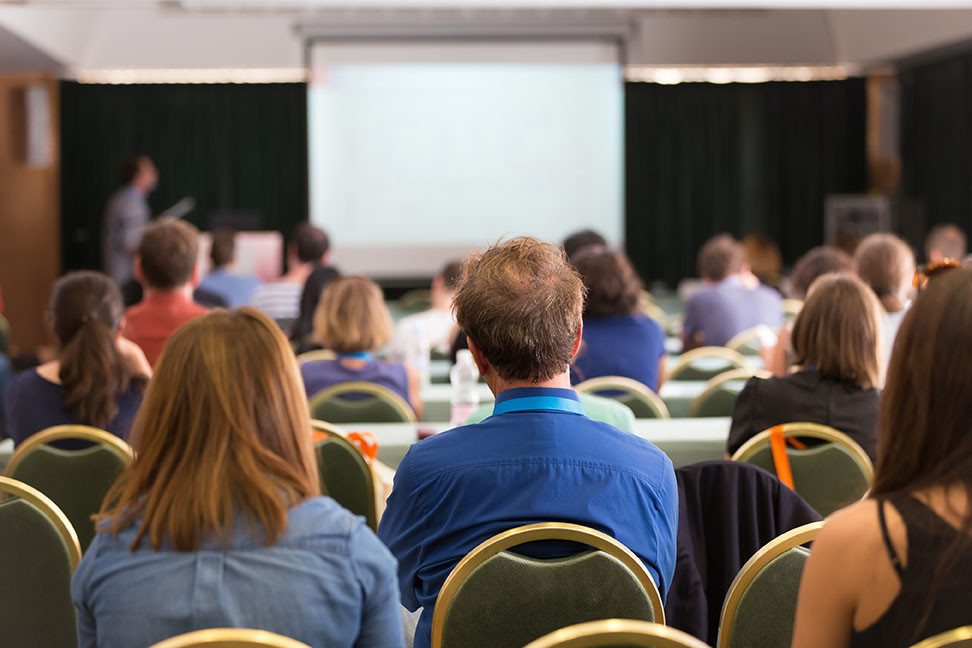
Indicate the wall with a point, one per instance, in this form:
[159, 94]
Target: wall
[29, 215]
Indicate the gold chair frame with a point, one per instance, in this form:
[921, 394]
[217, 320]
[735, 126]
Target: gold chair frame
[58, 432]
[230, 638]
[371, 389]
[743, 338]
[716, 382]
[316, 355]
[9, 486]
[651, 309]
[734, 358]
[814, 431]
[375, 500]
[614, 632]
[792, 307]
[564, 531]
[603, 383]
[957, 637]
[770, 551]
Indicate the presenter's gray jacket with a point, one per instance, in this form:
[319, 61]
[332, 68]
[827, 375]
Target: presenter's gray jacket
[126, 216]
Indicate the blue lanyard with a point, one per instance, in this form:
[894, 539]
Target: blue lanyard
[358, 355]
[538, 403]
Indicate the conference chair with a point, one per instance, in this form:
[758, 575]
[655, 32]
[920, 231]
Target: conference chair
[38, 554]
[751, 341]
[617, 633]
[791, 308]
[316, 355]
[76, 480]
[651, 309]
[230, 638]
[705, 363]
[761, 605]
[829, 473]
[673, 325]
[345, 473]
[644, 403]
[360, 402]
[951, 639]
[495, 598]
[415, 301]
[720, 393]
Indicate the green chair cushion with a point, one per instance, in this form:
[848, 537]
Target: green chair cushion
[764, 618]
[721, 401]
[510, 599]
[703, 369]
[369, 409]
[346, 477]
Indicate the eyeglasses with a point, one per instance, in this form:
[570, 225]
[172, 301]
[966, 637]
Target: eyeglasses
[925, 272]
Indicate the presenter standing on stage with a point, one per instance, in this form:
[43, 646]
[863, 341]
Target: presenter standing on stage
[126, 216]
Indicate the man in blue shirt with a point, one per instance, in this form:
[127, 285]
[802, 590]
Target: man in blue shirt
[538, 458]
[235, 289]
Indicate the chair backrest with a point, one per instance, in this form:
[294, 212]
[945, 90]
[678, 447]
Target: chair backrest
[792, 308]
[643, 402]
[761, 604]
[751, 341]
[316, 355]
[953, 638]
[360, 402]
[76, 480]
[230, 638]
[706, 363]
[344, 473]
[719, 396]
[829, 474]
[651, 309]
[495, 598]
[38, 554]
[419, 299]
[617, 633]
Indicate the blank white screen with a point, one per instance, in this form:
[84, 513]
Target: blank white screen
[414, 162]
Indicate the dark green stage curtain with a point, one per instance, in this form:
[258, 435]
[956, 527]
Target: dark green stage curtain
[231, 147]
[703, 158]
[936, 138]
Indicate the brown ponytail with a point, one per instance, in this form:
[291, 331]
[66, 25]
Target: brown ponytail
[85, 312]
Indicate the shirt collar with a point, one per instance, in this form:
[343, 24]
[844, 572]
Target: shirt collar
[538, 398]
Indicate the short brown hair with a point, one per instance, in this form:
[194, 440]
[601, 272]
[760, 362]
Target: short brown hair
[580, 240]
[887, 264]
[948, 239]
[613, 287]
[311, 243]
[521, 303]
[352, 316]
[224, 428]
[167, 253]
[839, 331]
[223, 247]
[821, 260]
[720, 257]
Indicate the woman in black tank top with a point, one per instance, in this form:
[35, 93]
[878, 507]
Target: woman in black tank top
[896, 568]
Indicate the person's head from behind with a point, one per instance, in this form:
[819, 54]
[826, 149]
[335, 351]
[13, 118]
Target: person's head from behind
[224, 430]
[352, 316]
[838, 332]
[720, 257]
[309, 245]
[821, 260]
[762, 254]
[945, 242]
[613, 287]
[85, 313]
[444, 285]
[139, 171]
[520, 304]
[887, 265]
[166, 256]
[580, 240]
[222, 251]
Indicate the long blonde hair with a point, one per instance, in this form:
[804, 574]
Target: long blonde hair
[224, 427]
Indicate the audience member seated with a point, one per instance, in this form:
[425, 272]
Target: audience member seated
[218, 522]
[353, 321]
[887, 265]
[310, 297]
[819, 261]
[618, 339]
[836, 346]
[945, 242]
[436, 325]
[896, 568]
[580, 240]
[98, 377]
[281, 299]
[539, 457]
[236, 290]
[764, 259]
[165, 264]
[732, 301]
[598, 408]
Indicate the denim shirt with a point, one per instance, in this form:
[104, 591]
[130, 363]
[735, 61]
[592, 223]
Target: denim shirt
[327, 581]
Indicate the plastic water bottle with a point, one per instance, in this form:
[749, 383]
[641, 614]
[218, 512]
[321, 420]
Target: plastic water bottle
[464, 376]
[417, 354]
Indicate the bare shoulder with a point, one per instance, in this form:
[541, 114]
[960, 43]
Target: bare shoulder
[853, 532]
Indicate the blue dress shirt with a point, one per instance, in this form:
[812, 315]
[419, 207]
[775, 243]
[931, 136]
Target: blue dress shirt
[622, 345]
[327, 581]
[537, 459]
[237, 290]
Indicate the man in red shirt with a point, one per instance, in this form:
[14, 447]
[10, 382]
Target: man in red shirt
[165, 264]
